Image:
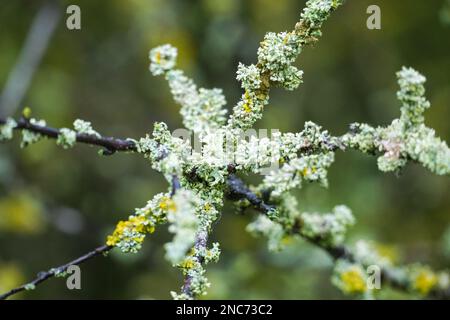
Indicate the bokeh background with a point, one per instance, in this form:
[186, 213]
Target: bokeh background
[56, 205]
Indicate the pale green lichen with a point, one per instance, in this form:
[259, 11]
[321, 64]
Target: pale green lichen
[7, 129]
[180, 296]
[408, 137]
[361, 137]
[58, 272]
[316, 13]
[66, 138]
[30, 286]
[424, 147]
[276, 54]
[367, 253]
[278, 51]
[213, 254]
[423, 279]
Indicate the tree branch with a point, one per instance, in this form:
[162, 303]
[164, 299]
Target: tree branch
[237, 190]
[45, 275]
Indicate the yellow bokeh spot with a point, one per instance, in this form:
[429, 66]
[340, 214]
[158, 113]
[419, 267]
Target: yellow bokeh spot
[286, 240]
[305, 172]
[247, 102]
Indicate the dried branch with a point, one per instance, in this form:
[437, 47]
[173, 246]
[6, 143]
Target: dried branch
[45, 275]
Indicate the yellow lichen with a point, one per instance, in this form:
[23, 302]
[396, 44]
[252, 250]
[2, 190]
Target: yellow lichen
[353, 280]
[10, 276]
[207, 207]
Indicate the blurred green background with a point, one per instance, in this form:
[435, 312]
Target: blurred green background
[56, 205]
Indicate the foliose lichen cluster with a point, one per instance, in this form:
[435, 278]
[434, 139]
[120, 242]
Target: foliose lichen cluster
[197, 178]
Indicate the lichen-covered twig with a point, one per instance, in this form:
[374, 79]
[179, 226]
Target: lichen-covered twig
[45, 275]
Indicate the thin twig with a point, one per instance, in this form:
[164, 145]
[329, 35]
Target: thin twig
[45, 275]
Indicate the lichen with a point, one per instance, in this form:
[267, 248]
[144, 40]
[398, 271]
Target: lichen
[129, 234]
[423, 279]
[184, 223]
[30, 137]
[7, 129]
[85, 127]
[330, 228]
[351, 278]
[198, 175]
